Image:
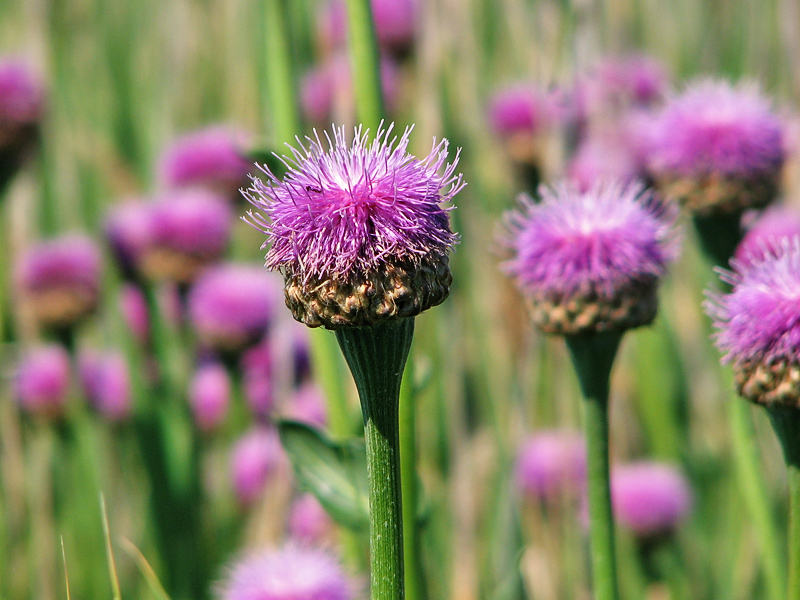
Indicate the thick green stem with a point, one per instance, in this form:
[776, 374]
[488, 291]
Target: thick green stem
[753, 488]
[786, 422]
[365, 60]
[593, 356]
[376, 357]
[279, 81]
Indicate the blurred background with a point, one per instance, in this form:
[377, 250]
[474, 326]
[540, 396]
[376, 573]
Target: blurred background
[129, 127]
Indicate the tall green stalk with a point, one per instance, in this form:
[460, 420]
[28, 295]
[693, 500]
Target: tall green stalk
[786, 422]
[365, 59]
[279, 79]
[377, 356]
[593, 357]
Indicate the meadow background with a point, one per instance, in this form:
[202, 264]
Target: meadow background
[125, 78]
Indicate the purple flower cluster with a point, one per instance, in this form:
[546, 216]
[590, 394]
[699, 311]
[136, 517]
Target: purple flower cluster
[713, 127]
[292, 572]
[552, 465]
[592, 245]
[105, 380]
[42, 381]
[347, 210]
[21, 95]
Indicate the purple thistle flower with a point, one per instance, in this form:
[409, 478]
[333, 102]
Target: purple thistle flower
[133, 306]
[41, 383]
[591, 261]
[522, 108]
[292, 572]
[188, 230]
[106, 382]
[551, 465]
[257, 380]
[650, 498]
[606, 155]
[775, 223]
[359, 231]
[308, 521]
[210, 158]
[59, 280]
[758, 323]
[717, 148]
[210, 395]
[128, 228]
[326, 91]
[620, 82]
[21, 110]
[256, 456]
[231, 305]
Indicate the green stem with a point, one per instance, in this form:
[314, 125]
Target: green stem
[753, 486]
[593, 357]
[376, 356]
[365, 59]
[786, 422]
[279, 80]
[415, 575]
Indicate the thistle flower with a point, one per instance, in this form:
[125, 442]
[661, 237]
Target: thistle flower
[758, 324]
[650, 498]
[552, 465]
[21, 108]
[255, 457]
[603, 156]
[128, 228]
[308, 521]
[717, 148]
[257, 379]
[231, 305]
[188, 231]
[210, 395]
[618, 82]
[210, 158]
[590, 261]
[42, 381]
[766, 231]
[106, 382]
[133, 306]
[289, 573]
[358, 231]
[59, 280]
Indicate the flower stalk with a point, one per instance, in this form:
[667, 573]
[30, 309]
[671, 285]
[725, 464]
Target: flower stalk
[365, 59]
[593, 357]
[377, 356]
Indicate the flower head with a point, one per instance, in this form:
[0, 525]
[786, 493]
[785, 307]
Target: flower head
[717, 148]
[231, 305]
[766, 231]
[59, 280]
[128, 228]
[256, 456]
[210, 395]
[308, 521]
[257, 379]
[210, 158]
[552, 464]
[619, 82]
[21, 108]
[650, 498]
[758, 323]
[292, 572]
[106, 382]
[42, 381]
[358, 230]
[591, 261]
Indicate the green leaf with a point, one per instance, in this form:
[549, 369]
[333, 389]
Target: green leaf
[335, 472]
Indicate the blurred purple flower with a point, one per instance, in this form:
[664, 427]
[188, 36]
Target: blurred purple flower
[717, 147]
[106, 382]
[21, 109]
[327, 95]
[523, 108]
[590, 260]
[308, 521]
[210, 158]
[257, 379]
[650, 498]
[772, 225]
[135, 312]
[352, 214]
[255, 457]
[292, 572]
[128, 229]
[59, 280]
[395, 25]
[603, 156]
[42, 381]
[230, 306]
[210, 395]
[758, 323]
[189, 230]
[552, 465]
[307, 405]
[620, 82]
